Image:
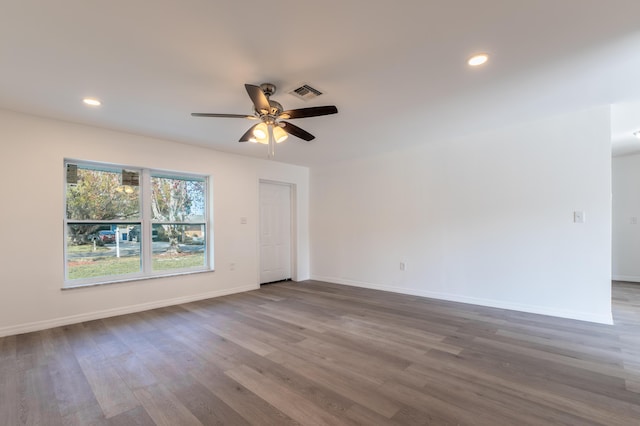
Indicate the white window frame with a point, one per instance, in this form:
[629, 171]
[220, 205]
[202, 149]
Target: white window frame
[146, 226]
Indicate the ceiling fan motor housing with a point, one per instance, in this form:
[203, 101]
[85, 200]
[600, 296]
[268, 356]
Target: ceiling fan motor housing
[275, 108]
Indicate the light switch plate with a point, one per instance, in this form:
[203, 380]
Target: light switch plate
[578, 217]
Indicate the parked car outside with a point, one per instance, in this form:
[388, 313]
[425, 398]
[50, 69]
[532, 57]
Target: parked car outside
[107, 236]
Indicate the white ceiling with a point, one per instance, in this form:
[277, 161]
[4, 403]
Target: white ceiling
[395, 69]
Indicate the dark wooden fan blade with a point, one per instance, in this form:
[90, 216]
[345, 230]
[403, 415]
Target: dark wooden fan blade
[248, 134]
[207, 114]
[309, 112]
[297, 131]
[258, 98]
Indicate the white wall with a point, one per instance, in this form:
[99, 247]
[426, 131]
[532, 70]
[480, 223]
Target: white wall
[31, 253]
[485, 220]
[626, 208]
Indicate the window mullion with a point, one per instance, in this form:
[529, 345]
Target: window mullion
[145, 215]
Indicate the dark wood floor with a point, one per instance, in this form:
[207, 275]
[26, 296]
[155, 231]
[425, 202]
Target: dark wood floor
[315, 353]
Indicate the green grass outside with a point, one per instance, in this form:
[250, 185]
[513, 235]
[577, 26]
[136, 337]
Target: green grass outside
[106, 266]
[162, 263]
[85, 248]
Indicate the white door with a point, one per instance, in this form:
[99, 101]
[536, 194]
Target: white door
[275, 232]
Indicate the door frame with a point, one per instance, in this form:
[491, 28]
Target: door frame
[293, 232]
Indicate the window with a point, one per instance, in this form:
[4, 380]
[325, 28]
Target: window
[125, 223]
[178, 218]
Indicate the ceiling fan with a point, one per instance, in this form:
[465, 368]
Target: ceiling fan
[272, 129]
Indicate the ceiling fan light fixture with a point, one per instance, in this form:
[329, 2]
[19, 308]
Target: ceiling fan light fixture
[279, 134]
[261, 132]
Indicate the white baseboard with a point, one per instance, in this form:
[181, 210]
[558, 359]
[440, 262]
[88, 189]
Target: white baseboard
[533, 309]
[74, 319]
[627, 278]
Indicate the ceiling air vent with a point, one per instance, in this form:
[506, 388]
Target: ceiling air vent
[305, 92]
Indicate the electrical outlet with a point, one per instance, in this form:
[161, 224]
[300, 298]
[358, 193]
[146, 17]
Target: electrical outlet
[232, 266]
[633, 221]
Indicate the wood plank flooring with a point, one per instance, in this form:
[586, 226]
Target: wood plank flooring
[314, 353]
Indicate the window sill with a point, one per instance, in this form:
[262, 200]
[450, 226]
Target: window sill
[72, 286]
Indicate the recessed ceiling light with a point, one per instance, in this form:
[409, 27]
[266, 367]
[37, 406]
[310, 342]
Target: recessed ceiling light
[92, 102]
[479, 59]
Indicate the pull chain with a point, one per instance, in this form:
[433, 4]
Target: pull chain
[272, 143]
